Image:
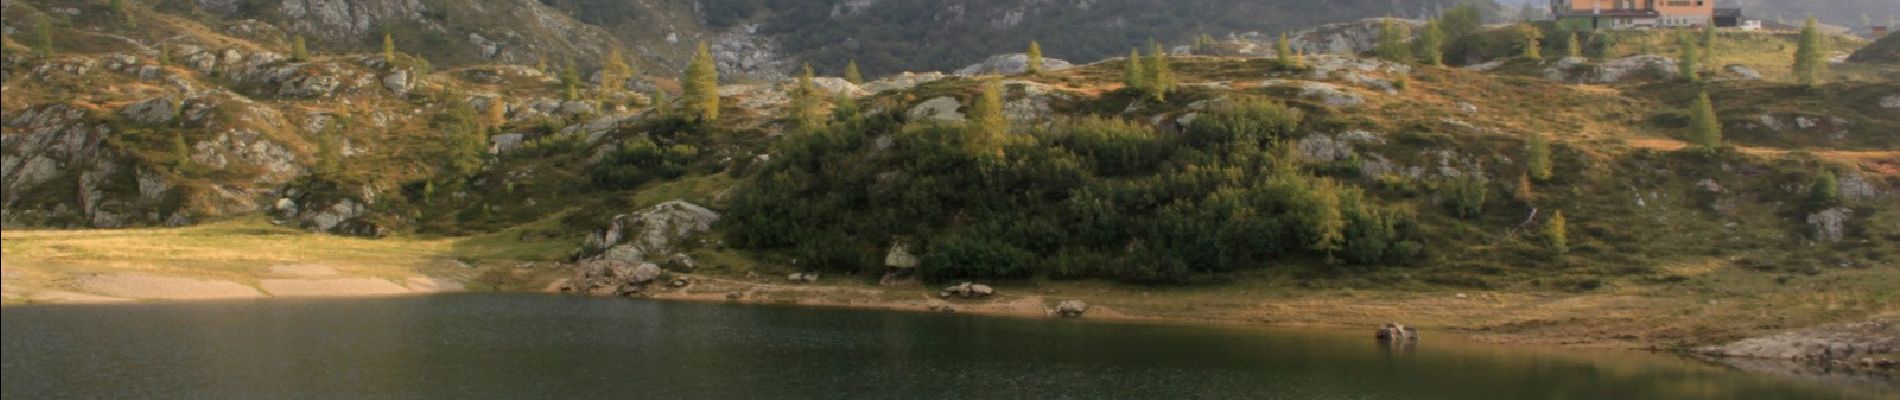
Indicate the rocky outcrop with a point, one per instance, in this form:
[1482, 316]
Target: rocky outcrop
[1582, 70]
[743, 52]
[1011, 64]
[1329, 94]
[942, 109]
[660, 229]
[1832, 344]
[901, 81]
[48, 154]
[1830, 225]
[1890, 101]
[611, 277]
[1341, 38]
[967, 290]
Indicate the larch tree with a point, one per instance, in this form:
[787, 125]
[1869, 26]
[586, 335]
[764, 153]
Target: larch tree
[1135, 72]
[1283, 53]
[1809, 58]
[1160, 74]
[1537, 157]
[1431, 43]
[804, 107]
[1392, 44]
[181, 152]
[570, 83]
[614, 72]
[1556, 233]
[389, 48]
[851, 73]
[1533, 42]
[1573, 47]
[1687, 65]
[45, 32]
[1034, 62]
[1708, 44]
[1707, 128]
[989, 124]
[702, 85]
[497, 113]
[298, 50]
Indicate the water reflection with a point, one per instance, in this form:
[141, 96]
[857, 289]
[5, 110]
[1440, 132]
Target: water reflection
[522, 346]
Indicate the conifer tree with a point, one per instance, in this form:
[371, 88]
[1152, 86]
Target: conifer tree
[1686, 66]
[389, 48]
[1708, 129]
[1556, 233]
[844, 108]
[497, 112]
[1533, 42]
[614, 72]
[541, 64]
[45, 32]
[804, 107]
[570, 83]
[1160, 74]
[298, 51]
[1537, 158]
[1392, 46]
[329, 158]
[1283, 52]
[851, 73]
[702, 86]
[989, 125]
[1035, 58]
[1524, 191]
[181, 153]
[1328, 221]
[1572, 47]
[1431, 43]
[1134, 74]
[1708, 44]
[1809, 64]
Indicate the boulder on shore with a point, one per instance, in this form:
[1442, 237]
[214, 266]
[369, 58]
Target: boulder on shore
[1072, 308]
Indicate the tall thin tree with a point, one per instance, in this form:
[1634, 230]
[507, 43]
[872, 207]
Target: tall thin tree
[702, 85]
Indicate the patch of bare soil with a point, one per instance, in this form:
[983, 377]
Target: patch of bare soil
[146, 286]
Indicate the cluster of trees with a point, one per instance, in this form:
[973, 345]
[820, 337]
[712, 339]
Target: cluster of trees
[1087, 198]
[1149, 75]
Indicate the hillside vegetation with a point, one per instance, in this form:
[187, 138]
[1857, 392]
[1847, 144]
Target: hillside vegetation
[1228, 166]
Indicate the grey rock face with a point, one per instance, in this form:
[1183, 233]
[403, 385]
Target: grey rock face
[1329, 94]
[1011, 64]
[1891, 101]
[345, 19]
[655, 230]
[1579, 70]
[902, 81]
[1743, 71]
[938, 109]
[1830, 224]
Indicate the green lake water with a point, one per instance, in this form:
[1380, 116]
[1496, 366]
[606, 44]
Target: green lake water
[477, 346]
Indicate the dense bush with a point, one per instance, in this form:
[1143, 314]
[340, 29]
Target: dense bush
[638, 161]
[1089, 198]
